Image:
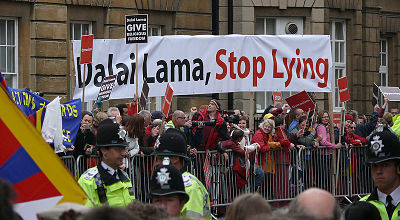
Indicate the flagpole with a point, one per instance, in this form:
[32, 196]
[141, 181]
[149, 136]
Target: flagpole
[137, 73]
[83, 89]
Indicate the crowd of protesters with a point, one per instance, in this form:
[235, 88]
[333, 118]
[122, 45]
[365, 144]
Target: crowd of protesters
[265, 153]
[210, 129]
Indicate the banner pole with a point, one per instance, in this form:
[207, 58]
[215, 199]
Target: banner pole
[83, 89]
[330, 104]
[137, 74]
[341, 132]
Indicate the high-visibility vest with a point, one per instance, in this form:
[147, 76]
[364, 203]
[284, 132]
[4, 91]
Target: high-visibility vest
[119, 194]
[382, 208]
[198, 205]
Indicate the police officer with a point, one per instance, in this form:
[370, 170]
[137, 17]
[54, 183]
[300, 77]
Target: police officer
[173, 146]
[384, 160]
[106, 184]
[167, 189]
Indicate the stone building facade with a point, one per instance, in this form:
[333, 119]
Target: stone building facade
[35, 38]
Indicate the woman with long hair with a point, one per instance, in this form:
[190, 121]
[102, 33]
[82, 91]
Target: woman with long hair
[324, 161]
[135, 129]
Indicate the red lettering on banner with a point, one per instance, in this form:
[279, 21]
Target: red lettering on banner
[298, 63]
[221, 64]
[257, 74]
[323, 76]
[246, 67]
[275, 74]
[308, 61]
[232, 60]
[295, 62]
[288, 70]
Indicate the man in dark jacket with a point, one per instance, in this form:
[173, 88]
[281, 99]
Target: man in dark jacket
[364, 129]
[207, 137]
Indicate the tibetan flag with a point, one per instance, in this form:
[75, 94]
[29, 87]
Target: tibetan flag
[37, 118]
[207, 171]
[39, 177]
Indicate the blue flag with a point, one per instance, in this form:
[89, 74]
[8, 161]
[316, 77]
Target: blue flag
[71, 111]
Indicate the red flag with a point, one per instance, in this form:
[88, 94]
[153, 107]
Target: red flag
[167, 99]
[207, 173]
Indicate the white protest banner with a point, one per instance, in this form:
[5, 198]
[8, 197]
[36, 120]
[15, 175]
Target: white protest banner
[210, 64]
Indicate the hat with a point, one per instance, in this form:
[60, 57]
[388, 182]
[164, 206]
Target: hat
[267, 116]
[172, 143]
[167, 180]
[110, 134]
[157, 115]
[349, 117]
[216, 103]
[277, 111]
[383, 146]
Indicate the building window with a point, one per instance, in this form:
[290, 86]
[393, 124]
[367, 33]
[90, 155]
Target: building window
[77, 30]
[9, 51]
[383, 69]
[274, 26]
[338, 45]
[383, 66]
[80, 28]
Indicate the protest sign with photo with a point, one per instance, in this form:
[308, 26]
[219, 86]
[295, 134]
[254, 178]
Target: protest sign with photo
[106, 87]
[209, 64]
[144, 95]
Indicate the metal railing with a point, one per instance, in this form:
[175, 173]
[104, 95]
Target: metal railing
[284, 174]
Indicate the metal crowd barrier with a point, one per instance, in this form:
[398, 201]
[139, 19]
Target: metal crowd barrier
[70, 163]
[286, 174]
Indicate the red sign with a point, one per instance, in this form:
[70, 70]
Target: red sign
[336, 119]
[343, 89]
[86, 49]
[301, 100]
[167, 100]
[277, 97]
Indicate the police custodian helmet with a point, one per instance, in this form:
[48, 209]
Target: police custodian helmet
[383, 146]
[110, 134]
[167, 180]
[172, 143]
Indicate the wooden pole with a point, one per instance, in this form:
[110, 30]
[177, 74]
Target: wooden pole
[340, 141]
[83, 88]
[137, 75]
[330, 104]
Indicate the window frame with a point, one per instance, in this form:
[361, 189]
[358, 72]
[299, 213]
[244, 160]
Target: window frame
[337, 105]
[267, 96]
[15, 82]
